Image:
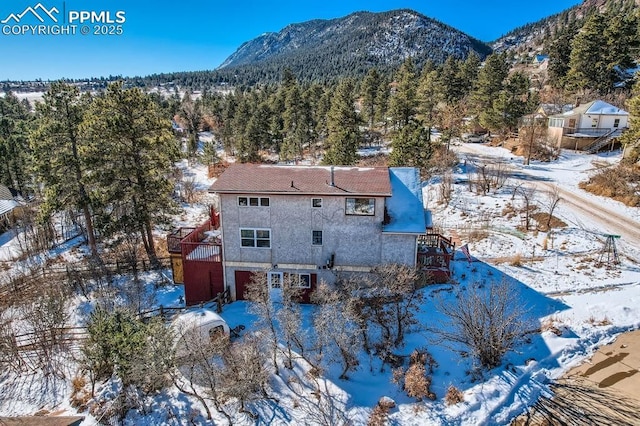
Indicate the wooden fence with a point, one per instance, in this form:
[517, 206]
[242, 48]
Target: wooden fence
[72, 337]
[28, 284]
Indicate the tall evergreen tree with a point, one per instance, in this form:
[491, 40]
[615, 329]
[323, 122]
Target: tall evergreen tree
[383, 101]
[58, 156]
[511, 103]
[256, 135]
[404, 102]
[411, 147]
[369, 95]
[452, 85]
[489, 84]
[560, 53]
[296, 124]
[631, 138]
[342, 124]
[132, 151]
[191, 112]
[14, 146]
[429, 95]
[588, 68]
[469, 70]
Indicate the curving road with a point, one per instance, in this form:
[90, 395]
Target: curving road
[606, 220]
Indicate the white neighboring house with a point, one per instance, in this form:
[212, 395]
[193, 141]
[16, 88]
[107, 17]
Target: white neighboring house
[588, 127]
[10, 201]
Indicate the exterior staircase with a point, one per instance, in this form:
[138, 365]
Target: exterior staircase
[602, 141]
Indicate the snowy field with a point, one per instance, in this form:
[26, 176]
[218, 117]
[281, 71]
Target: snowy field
[558, 280]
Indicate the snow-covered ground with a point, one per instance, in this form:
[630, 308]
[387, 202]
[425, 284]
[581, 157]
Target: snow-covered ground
[559, 281]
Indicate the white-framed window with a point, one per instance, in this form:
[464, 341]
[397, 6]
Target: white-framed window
[260, 238]
[556, 122]
[275, 280]
[316, 238]
[300, 280]
[616, 122]
[253, 201]
[360, 206]
[316, 202]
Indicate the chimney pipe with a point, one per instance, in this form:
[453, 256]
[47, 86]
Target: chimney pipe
[333, 182]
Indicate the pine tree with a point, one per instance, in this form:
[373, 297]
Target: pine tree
[489, 84]
[560, 54]
[14, 146]
[256, 135]
[383, 102]
[58, 156]
[369, 95]
[469, 70]
[411, 147]
[511, 103]
[404, 103]
[342, 124]
[132, 150]
[631, 138]
[452, 85]
[296, 124]
[623, 42]
[191, 112]
[429, 95]
[588, 68]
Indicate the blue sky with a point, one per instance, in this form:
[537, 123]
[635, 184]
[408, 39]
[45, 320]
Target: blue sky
[191, 35]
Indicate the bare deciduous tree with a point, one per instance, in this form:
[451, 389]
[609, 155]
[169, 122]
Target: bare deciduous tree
[46, 316]
[486, 318]
[386, 303]
[189, 192]
[445, 188]
[528, 197]
[263, 307]
[244, 374]
[198, 371]
[338, 333]
[553, 197]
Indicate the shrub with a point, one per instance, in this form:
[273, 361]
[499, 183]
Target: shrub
[516, 260]
[453, 396]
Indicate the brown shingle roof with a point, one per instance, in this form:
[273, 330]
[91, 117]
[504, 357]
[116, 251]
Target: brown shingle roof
[314, 180]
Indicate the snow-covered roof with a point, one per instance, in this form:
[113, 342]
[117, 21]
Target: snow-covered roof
[405, 207]
[597, 108]
[7, 206]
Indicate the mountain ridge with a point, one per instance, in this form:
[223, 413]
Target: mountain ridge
[353, 43]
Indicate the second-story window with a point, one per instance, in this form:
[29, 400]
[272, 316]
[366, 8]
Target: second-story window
[360, 206]
[260, 238]
[253, 201]
[316, 202]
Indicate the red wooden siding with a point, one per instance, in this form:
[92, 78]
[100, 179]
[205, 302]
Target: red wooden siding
[243, 278]
[202, 266]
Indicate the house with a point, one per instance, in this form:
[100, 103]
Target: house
[317, 222]
[542, 61]
[587, 127]
[10, 203]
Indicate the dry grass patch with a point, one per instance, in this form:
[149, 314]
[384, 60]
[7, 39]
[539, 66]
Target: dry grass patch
[516, 260]
[599, 322]
[542, 218]
[622, 183]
